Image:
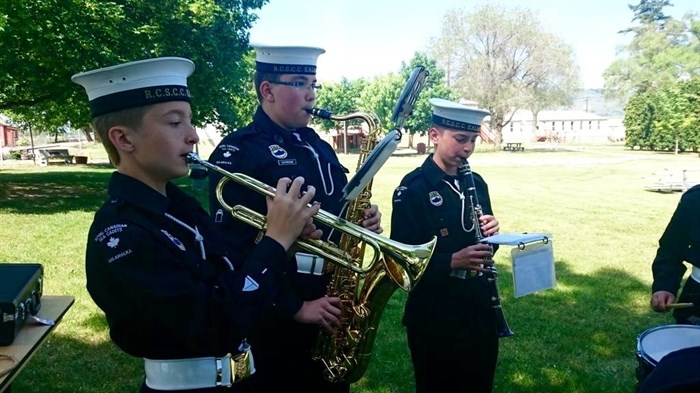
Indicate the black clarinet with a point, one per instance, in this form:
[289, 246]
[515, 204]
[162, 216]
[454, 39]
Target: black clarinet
[467, 182]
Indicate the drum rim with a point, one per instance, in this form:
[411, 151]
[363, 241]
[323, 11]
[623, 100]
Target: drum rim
[645, 333]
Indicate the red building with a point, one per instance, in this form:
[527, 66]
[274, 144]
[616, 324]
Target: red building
[8, 135]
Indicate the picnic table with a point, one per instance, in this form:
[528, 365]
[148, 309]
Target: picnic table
[514, 146]
[60, 156]
[672, 180]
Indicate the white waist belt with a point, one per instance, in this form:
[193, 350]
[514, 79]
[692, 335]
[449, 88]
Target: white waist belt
[198, 373]
[309, 264]
[695, 274]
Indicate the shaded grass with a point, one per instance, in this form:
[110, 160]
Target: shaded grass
[578, 337]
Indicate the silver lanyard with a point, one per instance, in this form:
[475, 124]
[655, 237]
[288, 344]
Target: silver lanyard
[306, 145]
[198, 238]
[462, 198]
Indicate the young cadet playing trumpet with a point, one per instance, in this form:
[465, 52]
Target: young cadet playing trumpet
[450, 323]
[172, 290]
[279, 143]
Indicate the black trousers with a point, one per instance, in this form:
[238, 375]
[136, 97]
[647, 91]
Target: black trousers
[453, 364]
[689, 294]
[283, 363]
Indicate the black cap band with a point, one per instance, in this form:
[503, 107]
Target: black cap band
[138, 97]
[285, 68]
[454, 124]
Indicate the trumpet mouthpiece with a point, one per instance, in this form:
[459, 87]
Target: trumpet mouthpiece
[193, 158]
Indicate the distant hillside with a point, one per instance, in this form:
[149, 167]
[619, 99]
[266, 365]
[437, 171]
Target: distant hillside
[592, 100]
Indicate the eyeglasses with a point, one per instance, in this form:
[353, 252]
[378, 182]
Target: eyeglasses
[299, 85]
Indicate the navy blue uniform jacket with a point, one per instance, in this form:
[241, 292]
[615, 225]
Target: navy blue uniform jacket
[266, 152]
[425, 206]
[163, 300]
[679, 242]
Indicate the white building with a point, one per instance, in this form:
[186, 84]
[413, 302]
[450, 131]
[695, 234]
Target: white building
[563, 126]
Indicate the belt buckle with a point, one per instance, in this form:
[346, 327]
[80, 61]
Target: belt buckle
[224, 377]
[241, 366]
[310, 264]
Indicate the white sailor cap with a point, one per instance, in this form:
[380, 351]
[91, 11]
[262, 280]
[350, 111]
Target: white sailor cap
[135, 84]
[456, 116]
[287, 59]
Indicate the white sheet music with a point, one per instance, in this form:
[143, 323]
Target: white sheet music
[516, 239]
[533, 268]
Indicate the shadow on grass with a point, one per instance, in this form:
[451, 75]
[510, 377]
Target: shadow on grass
[63, 191]
[578, 337]
[68, 365]
[53, 192]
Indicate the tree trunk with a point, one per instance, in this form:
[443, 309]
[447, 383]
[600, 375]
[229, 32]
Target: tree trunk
[345, 137]
[497, 137]
[86, 132]
[535, 129]
[410, 140]
[31, 140]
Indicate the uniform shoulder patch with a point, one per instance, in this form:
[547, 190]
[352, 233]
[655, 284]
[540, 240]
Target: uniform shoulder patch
[398, 193]
[111, 239]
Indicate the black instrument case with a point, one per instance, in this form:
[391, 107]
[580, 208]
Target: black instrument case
[21, 286]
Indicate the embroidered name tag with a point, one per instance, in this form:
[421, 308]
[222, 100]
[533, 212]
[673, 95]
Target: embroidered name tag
[290, 161]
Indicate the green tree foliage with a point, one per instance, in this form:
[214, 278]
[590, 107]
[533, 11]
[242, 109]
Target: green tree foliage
[504, 60]
[341, 98]
[380, 95]
[435, 86]
[660, 71]
[662, 51]
[665, 119]
[45, 42]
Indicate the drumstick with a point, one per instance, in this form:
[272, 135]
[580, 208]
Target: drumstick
[679, 305]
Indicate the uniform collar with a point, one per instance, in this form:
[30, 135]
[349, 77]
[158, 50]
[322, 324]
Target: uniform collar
[433, 173]
[134, 192]
[266, 126]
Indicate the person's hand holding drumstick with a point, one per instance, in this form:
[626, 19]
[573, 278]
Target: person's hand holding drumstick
[663, 301]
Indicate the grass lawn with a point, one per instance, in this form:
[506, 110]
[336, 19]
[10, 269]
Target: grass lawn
[577, 337]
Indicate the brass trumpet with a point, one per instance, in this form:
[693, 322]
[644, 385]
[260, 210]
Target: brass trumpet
[413, 257]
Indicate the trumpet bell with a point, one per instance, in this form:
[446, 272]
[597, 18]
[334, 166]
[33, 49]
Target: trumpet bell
[406, 264]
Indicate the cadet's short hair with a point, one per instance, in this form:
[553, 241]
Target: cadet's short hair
[131, 118]
[263, 76]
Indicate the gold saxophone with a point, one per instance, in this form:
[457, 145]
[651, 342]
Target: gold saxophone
[346, 352]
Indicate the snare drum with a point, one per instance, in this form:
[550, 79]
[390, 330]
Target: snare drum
[655, 343]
